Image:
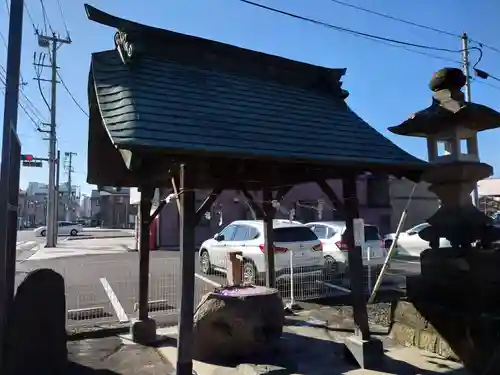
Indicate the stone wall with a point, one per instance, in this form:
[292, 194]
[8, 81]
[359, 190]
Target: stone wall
[409, 328]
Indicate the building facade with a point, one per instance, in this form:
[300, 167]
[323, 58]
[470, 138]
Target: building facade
[381, 202]
[111, 208]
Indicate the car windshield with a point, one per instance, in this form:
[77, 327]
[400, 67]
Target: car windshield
[294, 234]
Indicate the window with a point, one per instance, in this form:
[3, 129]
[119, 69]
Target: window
[377, 192]
[418, 228]
[228, 232]
[320, 231]
[371, 233]
[253, 233]
[241, 233]
[294, 234]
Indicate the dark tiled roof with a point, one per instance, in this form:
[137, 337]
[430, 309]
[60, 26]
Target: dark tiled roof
[183, 109]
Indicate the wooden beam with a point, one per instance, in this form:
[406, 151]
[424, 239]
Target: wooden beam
[157, 211]
[332, 196]
[259, 212]
[207, 203]
[284, 190]
[176, 192]
[147, 194]
[184, 365]
[354, 258]
[269, 238]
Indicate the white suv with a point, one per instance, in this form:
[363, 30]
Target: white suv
[335, 249]
[293, 242]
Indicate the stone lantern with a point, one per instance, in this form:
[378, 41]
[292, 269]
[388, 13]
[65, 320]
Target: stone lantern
[457, 291]
[452, 122]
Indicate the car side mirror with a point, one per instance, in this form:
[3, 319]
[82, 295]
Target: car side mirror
[219, 237]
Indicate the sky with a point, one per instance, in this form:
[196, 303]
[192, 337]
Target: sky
[386, 84]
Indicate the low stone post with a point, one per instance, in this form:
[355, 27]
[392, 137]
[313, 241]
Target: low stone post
[235, 263]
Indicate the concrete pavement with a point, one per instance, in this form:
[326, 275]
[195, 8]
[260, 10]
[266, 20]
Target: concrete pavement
[66, 248]
[312, 343]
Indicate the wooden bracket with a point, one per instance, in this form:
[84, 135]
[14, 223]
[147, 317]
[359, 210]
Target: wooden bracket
[207, 203]
[337, 203]
[258, 209]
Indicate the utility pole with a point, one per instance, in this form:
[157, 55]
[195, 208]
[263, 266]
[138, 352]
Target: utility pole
[10, 168]
[466, 70]
[69, 158]
[56, 201]
[52, 43]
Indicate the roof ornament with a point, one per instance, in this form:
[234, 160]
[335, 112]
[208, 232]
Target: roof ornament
[124, 46]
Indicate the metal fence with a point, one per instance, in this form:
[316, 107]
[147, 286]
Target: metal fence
[112, 295]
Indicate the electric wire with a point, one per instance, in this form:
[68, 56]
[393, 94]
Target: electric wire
[38, 67]
[411, 23]
[28, 12]
[71, 95]
[350, 31]
[397, 19]
[63, 18]
[46, 20]
[408, 46]
[32, 105]
[35, 121]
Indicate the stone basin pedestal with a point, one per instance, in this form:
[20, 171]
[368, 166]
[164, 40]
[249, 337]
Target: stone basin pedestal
[236, 322]
[455, 308]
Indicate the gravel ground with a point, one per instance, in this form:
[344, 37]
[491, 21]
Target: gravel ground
[378, 313]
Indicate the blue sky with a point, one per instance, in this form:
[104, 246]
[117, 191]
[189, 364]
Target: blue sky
[386, 84]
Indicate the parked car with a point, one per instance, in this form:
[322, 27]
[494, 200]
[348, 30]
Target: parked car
[331, 234]
[409, 242]
[64, 228]
[291, 239]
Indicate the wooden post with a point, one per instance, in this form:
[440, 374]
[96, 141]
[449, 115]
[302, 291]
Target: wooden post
[355, 259]
[144, 222]
[187, 247]
[269, 237]
[234, 276]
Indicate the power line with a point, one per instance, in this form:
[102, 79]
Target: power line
[71, 95]
[30, 17]
[35, 112]
[46, 20]
[388, 16]
[351, 31]
[63, 18]
[411, 23]
[487, 84]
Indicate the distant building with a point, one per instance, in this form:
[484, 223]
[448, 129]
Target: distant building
[111, 208]
[85, 206]
[489, 195]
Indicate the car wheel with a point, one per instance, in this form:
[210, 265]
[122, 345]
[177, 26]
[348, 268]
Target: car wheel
[73, 232]
[331, 266]
[205, 265]
[43, 233]
[249, 274]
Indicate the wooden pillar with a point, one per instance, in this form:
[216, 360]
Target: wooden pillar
[144, 222]
[355, 259]
[187, 247]
[269, 237]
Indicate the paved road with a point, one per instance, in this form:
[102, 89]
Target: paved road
[110, 281]
[29, 235]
